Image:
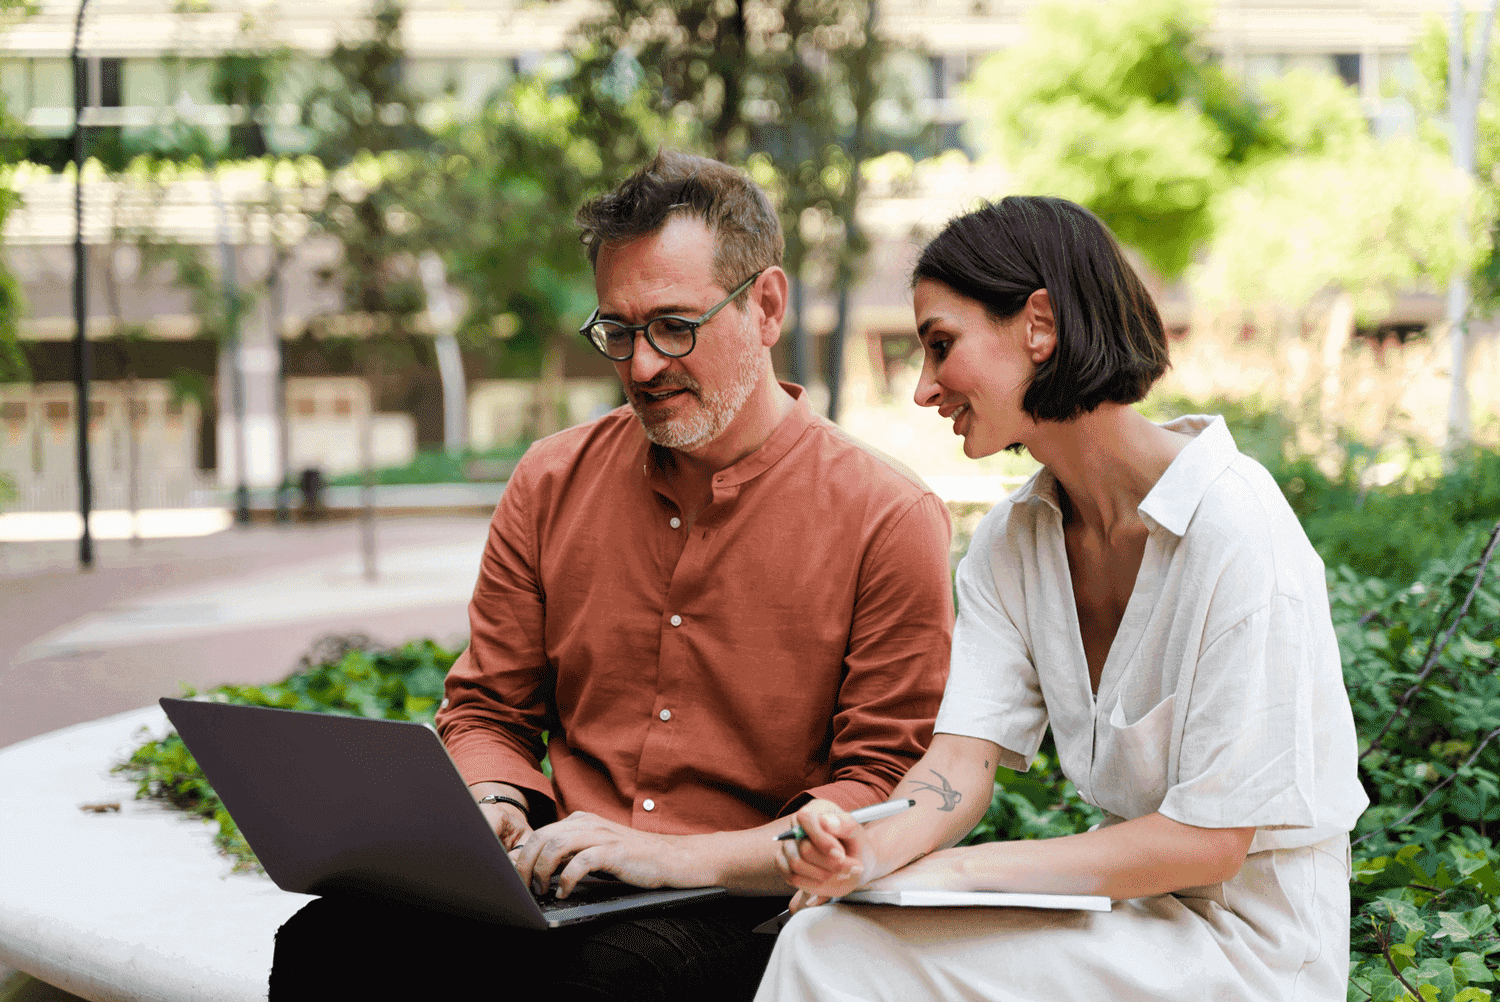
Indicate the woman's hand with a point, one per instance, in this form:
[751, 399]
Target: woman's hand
[831, 860]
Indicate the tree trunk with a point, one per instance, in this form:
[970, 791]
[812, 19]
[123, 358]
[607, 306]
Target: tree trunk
[549, 388]
[1335, 340]
[800, 358]
[1465, 85]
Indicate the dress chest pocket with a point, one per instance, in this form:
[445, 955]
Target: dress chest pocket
[1130, 760]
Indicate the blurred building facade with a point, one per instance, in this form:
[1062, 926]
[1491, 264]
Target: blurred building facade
[149, 62]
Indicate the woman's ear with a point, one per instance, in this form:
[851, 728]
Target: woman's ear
[1041, 327]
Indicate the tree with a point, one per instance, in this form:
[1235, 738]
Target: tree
[13, 365]
[503, 220]
[786, 86]
[1339, 212]
[366, 125]
[1458, 84]
[1120, 108]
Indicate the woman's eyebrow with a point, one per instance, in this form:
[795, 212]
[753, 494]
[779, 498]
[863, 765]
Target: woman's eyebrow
[926, 326]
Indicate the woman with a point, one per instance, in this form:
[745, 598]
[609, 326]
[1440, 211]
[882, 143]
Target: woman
[1150, 595]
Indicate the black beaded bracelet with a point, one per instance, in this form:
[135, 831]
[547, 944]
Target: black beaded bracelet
[496, 798]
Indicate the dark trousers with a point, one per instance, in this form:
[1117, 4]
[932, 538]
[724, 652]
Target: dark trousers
[337, 948]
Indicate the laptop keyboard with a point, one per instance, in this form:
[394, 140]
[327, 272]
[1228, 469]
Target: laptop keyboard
[587, 893]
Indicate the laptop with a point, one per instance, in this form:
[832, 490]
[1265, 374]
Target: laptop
[336, 805]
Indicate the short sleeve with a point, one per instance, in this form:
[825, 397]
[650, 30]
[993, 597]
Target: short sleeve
[1246, 756]
[993, 691]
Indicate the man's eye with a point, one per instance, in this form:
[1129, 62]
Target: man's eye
[673, 325]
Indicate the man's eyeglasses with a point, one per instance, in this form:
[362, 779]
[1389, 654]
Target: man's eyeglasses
[670, 335]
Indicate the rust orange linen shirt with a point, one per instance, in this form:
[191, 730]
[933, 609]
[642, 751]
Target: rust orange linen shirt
[794, 642]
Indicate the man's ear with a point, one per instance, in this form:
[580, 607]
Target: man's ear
[770, 294]
[1041, 326]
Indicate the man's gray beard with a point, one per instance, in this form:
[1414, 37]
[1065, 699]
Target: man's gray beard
[717, 408]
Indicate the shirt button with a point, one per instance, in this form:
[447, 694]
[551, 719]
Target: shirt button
[665, 714]
[676, 522]
[648, 805]
[676, 620]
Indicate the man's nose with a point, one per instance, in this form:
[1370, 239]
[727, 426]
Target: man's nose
[646, 363]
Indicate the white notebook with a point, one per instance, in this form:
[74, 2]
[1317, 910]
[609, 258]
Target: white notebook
[976, 899]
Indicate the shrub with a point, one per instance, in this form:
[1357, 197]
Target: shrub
[342, 674]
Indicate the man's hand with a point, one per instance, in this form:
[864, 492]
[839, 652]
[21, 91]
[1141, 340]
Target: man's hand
[582, 843]
[506, 820]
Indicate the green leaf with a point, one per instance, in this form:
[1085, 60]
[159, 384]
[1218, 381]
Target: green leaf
[1452, 926]
[1404, 913]
[1470, 967]
[1436, 973]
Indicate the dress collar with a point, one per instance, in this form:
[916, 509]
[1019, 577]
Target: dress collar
[1175, 497]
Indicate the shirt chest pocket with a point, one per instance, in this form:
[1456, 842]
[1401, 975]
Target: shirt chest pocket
[1131, 759]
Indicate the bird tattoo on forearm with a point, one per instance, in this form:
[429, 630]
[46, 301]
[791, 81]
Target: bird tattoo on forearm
[950, 796]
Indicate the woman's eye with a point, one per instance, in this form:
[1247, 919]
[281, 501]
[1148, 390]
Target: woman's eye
[939, 349]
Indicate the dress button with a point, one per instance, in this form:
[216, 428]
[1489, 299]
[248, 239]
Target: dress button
[665, 714]
[676, 522]
[676, 620]
[648, 805]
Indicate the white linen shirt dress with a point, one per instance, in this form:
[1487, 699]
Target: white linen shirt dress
[1221, 704]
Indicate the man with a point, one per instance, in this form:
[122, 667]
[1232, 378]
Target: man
[704, 608]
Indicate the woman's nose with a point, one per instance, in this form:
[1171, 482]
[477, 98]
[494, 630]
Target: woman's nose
[928, 392]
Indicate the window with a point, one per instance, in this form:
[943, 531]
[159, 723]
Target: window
[109, 82]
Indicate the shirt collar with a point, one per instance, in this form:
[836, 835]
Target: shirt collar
[1174, 498]
[767, 454]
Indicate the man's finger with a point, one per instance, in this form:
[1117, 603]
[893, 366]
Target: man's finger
[581, 865]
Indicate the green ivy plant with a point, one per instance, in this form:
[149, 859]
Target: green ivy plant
[343, 674]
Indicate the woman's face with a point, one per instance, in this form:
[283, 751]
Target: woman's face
[975, 369]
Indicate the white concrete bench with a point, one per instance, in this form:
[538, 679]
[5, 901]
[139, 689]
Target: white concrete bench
[129, 905]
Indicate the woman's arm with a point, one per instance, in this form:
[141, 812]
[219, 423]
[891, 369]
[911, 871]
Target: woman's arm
[1139, 858]
[951, 785]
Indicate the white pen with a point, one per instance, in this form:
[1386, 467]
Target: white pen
[863, 815]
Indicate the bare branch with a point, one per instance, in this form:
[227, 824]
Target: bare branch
[1435, 650]
[1432, 792]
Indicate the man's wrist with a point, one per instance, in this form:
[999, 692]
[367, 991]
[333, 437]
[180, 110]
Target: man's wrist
[510, 794]
[742, 861]
[498, 798]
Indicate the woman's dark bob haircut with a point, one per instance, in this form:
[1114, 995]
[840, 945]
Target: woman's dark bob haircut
[1111, 345]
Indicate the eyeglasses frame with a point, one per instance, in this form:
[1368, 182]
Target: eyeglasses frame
[645, 328]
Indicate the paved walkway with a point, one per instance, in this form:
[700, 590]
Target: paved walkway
[237, 606]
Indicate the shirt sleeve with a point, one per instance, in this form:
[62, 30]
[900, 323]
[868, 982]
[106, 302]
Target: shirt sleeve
[897, 660]
[993, 691]
[1246, 756]
[495, 708]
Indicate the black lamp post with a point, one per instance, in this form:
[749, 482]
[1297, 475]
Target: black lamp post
[82, 363]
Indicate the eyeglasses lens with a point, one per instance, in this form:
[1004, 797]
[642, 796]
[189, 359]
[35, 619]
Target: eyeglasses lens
[671, 336]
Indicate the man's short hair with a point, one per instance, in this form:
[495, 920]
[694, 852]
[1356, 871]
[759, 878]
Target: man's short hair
[746, 229]
[1111, 344]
